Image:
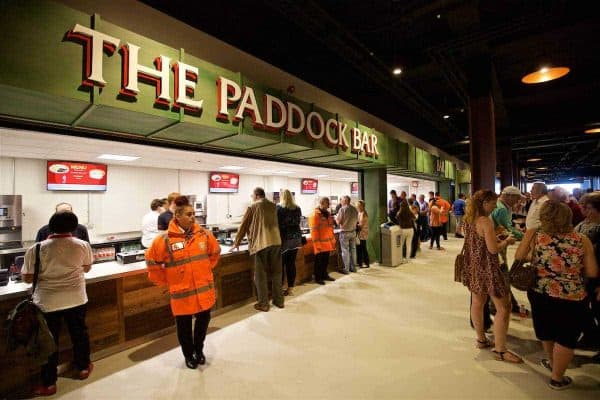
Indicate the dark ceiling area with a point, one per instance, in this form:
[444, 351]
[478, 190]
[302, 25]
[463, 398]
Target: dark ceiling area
[349, 48]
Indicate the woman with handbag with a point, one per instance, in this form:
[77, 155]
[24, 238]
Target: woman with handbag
[558, 298]
[482, 273]
[60, 293]
[288, 217]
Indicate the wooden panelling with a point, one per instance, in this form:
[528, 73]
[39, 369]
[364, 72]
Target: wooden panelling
[146, 322]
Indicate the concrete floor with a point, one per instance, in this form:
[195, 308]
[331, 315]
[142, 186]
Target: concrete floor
[382, 333]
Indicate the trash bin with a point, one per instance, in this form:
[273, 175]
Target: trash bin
[391, 251]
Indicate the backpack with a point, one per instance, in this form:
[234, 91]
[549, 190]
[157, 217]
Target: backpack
[26, 325]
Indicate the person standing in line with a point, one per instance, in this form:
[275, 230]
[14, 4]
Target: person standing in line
[502, 217]
[539, 195]
[323, 239]
[416, 242]
[435, 225]
[458, 209]
[423, 220]
[183, 260]
[559, 304]
[80, 232]
[150, 223]
[264, 244]
[562, 195]
[61, 293]
[165, 218]
[288, 217]
[406, 220]
[482, 274]
[393, 207]
[347, 219]
[362, 253]
[444, 207]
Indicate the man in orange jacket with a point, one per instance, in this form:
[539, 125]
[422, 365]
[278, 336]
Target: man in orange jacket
[183, 259]
[444, 210]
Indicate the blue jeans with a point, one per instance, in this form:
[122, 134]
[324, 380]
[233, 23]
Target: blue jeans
[348, 246]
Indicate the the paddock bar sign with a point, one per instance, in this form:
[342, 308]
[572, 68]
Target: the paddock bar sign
[233, 102]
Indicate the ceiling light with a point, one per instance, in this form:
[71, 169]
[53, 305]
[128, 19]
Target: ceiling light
[545, 74]
[117, 157]
[462, 110]
[397, 71]
[464, 141]
[533, 159]
[541, 168]
[592, 130]
[232, 167]
[446, 116]
[439, 16]
[321, 176]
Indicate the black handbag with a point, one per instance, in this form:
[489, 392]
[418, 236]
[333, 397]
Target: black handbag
[522, 275]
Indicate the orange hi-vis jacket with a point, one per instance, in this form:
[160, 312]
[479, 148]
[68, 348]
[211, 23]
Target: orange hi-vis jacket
[321, 232]
[185, 264]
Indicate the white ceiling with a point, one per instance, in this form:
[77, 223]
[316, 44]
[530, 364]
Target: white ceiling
[29, 144]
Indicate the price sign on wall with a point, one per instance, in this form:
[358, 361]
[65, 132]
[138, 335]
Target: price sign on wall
[353, 188]
[309, 186]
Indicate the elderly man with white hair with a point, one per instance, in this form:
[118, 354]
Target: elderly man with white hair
[539, 195]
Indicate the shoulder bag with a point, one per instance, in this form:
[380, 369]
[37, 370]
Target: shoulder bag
[523, 274]
[459, 264]
[26, 325]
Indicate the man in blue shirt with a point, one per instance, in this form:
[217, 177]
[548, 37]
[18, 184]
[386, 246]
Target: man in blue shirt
[458, 209]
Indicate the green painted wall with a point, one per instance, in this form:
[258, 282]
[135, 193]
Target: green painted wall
[373, 183]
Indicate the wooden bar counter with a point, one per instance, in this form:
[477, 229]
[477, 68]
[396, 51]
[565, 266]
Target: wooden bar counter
[125, 309]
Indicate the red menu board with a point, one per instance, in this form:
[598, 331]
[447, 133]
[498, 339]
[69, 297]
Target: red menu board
[74, 176]
[220, 182]
[354, 188]
[309, 186]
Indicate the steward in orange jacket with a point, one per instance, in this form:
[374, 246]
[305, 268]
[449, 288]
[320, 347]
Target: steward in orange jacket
[321, 231]
[323, 239]
[183, 259]
[185, 265]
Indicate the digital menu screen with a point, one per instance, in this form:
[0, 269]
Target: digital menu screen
[220, 182]
[76, 176]
[309, 186]
[353, 188]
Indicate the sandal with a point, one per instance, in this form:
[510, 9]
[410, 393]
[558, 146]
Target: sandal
[484, 344]
[501, 356]
[561, 385]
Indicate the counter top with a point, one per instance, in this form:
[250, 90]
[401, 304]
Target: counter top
[100, 272]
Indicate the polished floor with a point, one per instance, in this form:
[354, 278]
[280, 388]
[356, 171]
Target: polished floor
[382, 333]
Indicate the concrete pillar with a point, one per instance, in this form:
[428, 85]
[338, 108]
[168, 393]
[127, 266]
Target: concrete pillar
[373, 187]
[482, 131]
[482, 123]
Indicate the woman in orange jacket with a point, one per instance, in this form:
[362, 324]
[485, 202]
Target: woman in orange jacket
[323, 239]
[183, 259]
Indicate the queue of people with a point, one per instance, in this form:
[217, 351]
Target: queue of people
[565, 297]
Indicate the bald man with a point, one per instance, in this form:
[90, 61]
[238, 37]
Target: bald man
[80, 232]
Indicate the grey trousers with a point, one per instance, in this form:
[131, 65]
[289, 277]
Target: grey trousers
[267, 266]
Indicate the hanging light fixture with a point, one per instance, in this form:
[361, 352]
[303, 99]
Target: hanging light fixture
[545, 74]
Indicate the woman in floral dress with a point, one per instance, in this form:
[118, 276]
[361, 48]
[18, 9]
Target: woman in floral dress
[559, 298]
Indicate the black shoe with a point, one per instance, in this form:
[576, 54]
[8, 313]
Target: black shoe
[561, 385]
[200, 359]
[320, 282]
[191, 363]
[279, 305]
[344, 272]
[329, 278]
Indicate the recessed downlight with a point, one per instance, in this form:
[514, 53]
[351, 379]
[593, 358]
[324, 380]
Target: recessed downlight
[117, 157]
[533, 159]
[592, 130]
[397, 71]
